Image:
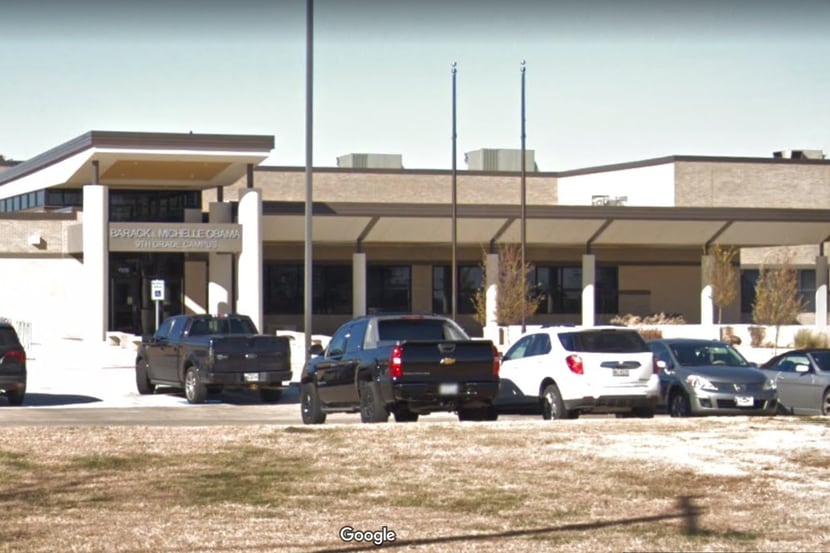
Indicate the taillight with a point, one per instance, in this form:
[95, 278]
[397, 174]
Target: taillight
[16, 355]
[575, 364]
[396, 362]
[496, 361]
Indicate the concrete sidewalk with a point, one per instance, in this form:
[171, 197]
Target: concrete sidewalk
[73, 373]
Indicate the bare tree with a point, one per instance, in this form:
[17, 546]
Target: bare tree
[723, 277]
[777, 300]
[510, 292]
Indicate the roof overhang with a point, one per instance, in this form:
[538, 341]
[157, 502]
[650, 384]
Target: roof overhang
[580, 226]
[140, 160]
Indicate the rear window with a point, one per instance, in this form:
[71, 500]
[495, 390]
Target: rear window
[393, 330]
[8, 337]
[604, 341]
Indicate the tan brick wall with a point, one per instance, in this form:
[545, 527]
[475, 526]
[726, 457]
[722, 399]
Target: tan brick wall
[780, 185]
[348, 186]
[670, 289]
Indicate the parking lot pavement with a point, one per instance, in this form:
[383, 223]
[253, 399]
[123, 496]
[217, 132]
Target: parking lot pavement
[73, 373]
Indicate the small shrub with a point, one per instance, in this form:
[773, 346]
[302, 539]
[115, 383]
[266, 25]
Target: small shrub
[651, 333]
[727, 334]
[757, 335]
[650, 319]
[804, 338]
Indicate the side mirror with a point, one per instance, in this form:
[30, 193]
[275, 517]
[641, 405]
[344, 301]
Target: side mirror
[315, 350]
[802, 368]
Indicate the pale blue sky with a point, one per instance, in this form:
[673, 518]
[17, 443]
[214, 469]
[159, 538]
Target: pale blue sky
[607, 82]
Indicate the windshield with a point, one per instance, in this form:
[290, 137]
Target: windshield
[696, 355]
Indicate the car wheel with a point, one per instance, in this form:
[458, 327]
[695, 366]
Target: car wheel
[142, 379]
[825, 403]
[679, 405]
[194, 390]
[270, 395]
[552, 405]
[310, 405]
[405, 415]
[371, 408]
[15, 397]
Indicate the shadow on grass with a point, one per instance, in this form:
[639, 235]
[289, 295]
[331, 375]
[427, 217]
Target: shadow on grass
[688, 512]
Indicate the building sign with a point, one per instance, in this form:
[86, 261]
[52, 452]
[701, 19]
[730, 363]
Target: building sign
[175, 237]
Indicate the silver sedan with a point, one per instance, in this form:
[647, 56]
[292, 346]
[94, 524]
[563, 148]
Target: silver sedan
[803, 380]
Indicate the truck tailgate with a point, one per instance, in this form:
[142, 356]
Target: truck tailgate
[445, 361]
[251, 353]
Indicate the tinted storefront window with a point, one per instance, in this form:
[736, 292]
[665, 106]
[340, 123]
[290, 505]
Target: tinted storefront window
[389, 288]
[331, 288]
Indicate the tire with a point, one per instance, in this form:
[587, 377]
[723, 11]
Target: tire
[372, 410]
[552, 405]
[270, 395]
[679, 405]
[142, 379]
[825, 403]
[310, 405]
[15, 397]
[194, 389]
[405, 415]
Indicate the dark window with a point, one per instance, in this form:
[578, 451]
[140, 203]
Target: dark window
[561, 287]
[662, 353]
[337, 344]
[541, 345]
[164, 329]
[357, 333]
[331, 289]
[806, 289]
[392, 330]
[389, 288]
[470, 279]
[152, 206]
[603, 341]
[8, 337]
[519, 349]
[822, 360]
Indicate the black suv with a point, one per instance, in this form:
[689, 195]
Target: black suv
[12, 364]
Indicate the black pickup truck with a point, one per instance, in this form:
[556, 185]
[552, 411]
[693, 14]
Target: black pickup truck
[204, 354]
[406, 365]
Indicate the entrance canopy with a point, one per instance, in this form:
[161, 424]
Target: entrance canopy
[587, 226]
[140, 160]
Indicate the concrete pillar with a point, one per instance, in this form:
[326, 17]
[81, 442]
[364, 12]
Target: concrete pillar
[491, 330]
[195, 287]
[249, 265]
[358, 284]
[821, 290]
[491, 289]
[220, 267]
[589, 277]
[96, 261]
[707, 306]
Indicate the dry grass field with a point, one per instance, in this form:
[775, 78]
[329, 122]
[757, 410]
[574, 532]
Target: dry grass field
[594, 484]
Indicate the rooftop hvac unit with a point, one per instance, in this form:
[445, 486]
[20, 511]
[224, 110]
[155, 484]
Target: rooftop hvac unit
[799, 154]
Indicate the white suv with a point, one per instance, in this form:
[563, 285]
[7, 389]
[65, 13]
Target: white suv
[566, 371]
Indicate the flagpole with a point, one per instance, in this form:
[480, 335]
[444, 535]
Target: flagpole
[454, 261]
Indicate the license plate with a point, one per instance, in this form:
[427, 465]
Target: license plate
[251, 377]
[448, 389]
[620, 372]
[744, 401]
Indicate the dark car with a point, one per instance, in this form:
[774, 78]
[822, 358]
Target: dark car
[708, 377]
[12, 364]
[803, 380]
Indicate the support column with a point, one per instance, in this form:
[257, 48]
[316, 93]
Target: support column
[821, 290]
[249, 265]
[358, 284]
[96, 259]
[707, 306]
[220, 267]
[589, 277]
[491, 298]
